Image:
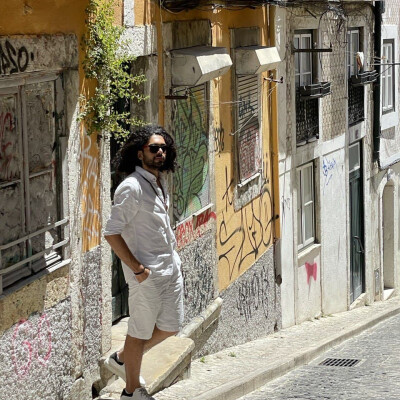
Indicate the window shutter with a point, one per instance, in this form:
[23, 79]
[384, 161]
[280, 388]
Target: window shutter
[248, 126]
[191, 179]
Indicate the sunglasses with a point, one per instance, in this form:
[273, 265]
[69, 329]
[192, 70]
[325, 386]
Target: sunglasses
[155, 147]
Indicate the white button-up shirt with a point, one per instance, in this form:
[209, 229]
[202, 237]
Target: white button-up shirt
[139, 214]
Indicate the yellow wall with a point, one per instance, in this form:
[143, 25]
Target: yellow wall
[243, 235]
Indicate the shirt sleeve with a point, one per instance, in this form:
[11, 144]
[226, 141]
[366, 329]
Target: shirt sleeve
[125, 207]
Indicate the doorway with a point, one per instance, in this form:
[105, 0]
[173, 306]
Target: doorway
[357, 253]
[388, 240]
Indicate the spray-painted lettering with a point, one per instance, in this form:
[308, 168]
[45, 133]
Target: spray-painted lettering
[31, 344]
[253, 295]
[13, 59]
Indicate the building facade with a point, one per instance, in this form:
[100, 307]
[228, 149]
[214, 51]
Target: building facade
[331, 182]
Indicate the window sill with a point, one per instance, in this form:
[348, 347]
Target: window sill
[389, 119]
[244, 183]
[32, 278]
[306, 251]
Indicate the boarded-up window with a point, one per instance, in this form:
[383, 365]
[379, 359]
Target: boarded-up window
[248, 126]
[190, 127]
[30, 233]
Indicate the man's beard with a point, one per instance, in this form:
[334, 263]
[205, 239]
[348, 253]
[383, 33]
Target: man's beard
[153, 162]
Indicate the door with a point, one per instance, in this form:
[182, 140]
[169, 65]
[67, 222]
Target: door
[119, 287]
[356, 223]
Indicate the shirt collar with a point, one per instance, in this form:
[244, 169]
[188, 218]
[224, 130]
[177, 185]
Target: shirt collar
[148, 175]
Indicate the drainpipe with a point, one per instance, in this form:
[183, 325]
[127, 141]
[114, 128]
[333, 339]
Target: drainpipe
[379, 9]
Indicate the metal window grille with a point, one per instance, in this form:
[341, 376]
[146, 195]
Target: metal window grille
[31, 220]
[307, 115]
[307, 119]
[248, 125]
[191, 180]
[355, 104]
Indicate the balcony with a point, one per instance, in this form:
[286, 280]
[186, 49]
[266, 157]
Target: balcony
[307, 119]
[355, 104]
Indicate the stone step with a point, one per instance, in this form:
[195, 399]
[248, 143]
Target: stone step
[163, 365]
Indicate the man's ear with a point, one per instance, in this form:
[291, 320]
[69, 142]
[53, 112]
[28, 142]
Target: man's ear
[140, 155]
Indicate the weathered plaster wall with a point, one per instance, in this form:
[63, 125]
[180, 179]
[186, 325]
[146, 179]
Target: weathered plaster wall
[36, 358]
[251, 307]
[333, 189]
[198, 259]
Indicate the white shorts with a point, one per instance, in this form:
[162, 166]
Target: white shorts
[158, 301]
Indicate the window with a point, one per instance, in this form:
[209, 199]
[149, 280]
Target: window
[248, 126]
[305, 205]
[30, 179]
[303, 61]
[355, 103]
[387, 76]
[307, 110]
[353, 47]
[190, 126]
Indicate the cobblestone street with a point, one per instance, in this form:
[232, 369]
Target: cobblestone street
[377, 376]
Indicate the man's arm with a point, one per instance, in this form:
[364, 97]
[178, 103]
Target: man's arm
[121, 249]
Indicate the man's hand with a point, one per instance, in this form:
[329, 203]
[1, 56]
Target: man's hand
[142, 277]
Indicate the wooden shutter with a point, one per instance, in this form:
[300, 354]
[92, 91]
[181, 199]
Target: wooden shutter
[248, 126]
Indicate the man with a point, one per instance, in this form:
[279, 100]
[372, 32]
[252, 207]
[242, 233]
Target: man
[140, 234]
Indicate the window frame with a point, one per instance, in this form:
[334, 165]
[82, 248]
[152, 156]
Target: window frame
[301, 206]
[386, 107]
[242, 180]
[178, 217]
[351, 62]
[53, 255]
[300, 57]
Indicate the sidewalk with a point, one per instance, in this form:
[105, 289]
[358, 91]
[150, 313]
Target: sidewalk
[239, 370]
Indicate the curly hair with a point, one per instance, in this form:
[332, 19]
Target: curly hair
[126, 159]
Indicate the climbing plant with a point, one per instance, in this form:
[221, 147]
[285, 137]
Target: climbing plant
[108, 63]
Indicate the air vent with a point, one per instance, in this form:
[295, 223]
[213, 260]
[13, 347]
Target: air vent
[339, 362]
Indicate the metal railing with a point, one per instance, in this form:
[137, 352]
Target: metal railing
[355, 104]
[307, 120]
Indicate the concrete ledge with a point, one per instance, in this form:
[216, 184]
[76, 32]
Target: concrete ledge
[163, 365]
[200, 324]
[167, 362]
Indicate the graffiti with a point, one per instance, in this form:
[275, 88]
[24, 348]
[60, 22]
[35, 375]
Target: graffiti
[188, 231]
[253, 235]
[246, 109]
[203, 218]
[191, 180]
[198, 286]
[253, 295]
[13, 60]
[219, 144]
[312, 270]
[90, 207]
[327, 169]
[8, 143]
[30, 344]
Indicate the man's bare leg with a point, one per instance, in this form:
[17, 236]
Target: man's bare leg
[157, 337]
[132, 358]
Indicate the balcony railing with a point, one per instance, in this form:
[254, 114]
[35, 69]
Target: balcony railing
[307, 119]
[356, 104]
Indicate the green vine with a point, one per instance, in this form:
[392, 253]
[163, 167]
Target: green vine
[108, 63]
